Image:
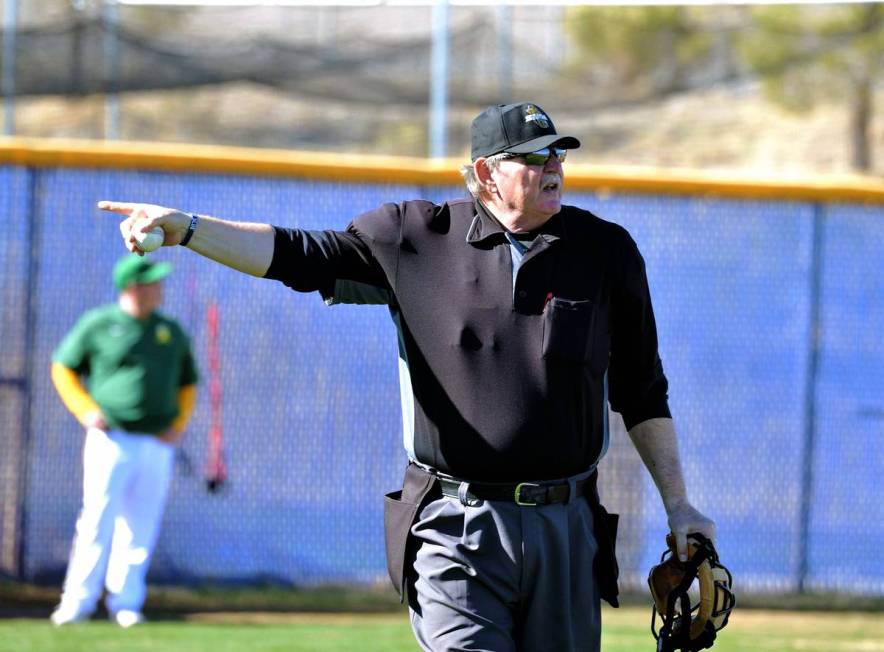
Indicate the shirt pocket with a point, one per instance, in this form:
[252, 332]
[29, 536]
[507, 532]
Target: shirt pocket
[568, 329]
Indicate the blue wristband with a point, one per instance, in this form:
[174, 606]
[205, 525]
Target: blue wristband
[190, 230]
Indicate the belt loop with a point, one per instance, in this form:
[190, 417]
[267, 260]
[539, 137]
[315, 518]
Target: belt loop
[462, 491]
[572, 489]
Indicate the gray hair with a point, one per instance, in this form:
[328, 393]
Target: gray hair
[469, 173]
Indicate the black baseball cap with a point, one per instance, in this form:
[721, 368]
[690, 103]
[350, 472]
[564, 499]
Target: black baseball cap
[516, 128]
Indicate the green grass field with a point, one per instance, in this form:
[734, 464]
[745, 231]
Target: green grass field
[625, 630]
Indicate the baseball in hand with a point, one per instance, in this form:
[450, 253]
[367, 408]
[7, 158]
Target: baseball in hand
[150, 241]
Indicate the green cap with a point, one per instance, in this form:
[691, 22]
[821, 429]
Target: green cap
[132, 269]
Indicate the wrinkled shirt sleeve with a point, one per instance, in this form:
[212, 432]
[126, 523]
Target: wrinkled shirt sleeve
[637, 385]
[309, 261]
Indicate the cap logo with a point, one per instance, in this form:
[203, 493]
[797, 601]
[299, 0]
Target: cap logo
[533, 114]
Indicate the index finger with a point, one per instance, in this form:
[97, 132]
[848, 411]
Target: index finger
[121, 207]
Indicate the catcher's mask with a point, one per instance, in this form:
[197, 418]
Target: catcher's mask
[685, 625]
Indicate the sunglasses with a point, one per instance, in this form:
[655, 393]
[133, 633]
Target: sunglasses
[541, 156]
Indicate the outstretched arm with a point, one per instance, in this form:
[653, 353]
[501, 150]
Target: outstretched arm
[243, 246]
[656, 443]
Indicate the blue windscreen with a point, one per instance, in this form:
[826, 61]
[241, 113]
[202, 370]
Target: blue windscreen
[770, 323]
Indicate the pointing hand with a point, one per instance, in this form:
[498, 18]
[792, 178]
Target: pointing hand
[141, 218]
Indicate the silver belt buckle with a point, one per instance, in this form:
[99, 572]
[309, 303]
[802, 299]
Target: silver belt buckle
[518, 494]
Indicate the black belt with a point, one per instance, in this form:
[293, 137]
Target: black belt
[522, 493]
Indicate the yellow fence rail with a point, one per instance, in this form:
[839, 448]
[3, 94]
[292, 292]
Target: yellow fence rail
[394, 169]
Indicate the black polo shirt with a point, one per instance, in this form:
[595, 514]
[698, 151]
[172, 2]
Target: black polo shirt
[510, 376]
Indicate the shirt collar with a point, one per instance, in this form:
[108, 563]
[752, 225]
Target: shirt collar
[485, 226]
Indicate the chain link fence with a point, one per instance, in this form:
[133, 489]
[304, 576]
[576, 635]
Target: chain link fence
[770, 334]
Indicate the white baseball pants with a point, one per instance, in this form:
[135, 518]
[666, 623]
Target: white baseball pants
[125, 484]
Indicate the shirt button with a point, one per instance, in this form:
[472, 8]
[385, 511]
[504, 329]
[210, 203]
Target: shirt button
[523, 294]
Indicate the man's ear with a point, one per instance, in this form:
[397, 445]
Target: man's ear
[483, 175]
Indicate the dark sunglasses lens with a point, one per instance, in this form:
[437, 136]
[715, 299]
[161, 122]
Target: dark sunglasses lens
[541, 156]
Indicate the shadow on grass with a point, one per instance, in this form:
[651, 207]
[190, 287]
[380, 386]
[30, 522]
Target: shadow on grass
[26, 600]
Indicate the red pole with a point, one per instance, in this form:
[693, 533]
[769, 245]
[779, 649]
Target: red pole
[216, 472]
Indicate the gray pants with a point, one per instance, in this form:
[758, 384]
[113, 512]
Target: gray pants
[499, 577]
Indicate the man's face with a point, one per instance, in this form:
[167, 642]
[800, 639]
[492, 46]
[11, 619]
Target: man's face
[532, 192]
[147, 297]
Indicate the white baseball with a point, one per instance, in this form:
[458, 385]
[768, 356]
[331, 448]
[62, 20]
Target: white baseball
[150, 241]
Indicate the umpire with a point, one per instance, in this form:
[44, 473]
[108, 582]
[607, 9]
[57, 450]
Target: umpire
[520, 319]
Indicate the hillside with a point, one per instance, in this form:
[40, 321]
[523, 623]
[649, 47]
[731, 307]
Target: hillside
[729, 128]
[351, 79]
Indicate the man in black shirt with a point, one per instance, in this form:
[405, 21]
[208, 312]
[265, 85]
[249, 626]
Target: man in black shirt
[519, 320]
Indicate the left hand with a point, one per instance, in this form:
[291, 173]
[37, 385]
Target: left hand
[684, 519]
[170, 436]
